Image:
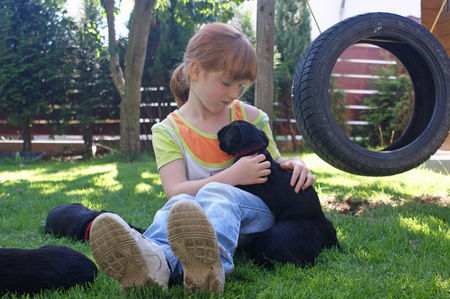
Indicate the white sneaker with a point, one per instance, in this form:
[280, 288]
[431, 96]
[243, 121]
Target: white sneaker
[194, 242]
[126, 255]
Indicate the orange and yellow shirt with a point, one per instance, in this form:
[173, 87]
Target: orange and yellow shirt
[200, 151]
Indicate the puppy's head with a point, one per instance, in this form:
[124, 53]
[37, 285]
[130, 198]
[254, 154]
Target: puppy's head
[241, 138]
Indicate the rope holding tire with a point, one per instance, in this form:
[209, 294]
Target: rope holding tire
[428, 66]
[438, 15]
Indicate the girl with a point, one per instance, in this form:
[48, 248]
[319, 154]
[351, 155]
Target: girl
[196, 232]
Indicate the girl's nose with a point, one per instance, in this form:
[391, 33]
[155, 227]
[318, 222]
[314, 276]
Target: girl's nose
[234, 91]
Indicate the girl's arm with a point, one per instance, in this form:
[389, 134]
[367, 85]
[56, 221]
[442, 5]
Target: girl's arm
[247, 170]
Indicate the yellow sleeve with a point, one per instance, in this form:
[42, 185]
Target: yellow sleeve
[262, 123]
[165, 146]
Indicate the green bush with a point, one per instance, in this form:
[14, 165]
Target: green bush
[337, 105]
[391, 106]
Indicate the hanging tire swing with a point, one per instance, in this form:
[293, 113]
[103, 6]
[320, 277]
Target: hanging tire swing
[429, 68]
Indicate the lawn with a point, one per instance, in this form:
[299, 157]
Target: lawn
[394, 231]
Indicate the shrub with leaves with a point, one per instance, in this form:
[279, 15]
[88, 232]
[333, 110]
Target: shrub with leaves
[92, 95]
[292, 37]
[34, 62]
[391, 106]
[337, 105]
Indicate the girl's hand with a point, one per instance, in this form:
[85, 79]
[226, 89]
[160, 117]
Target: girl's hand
[301, 178]
[250, 170]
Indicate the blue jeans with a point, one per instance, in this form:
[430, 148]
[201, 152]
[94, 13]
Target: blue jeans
[231, 211]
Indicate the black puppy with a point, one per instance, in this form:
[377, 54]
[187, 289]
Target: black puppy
[72, 220]
[301, 230]
[48, 267]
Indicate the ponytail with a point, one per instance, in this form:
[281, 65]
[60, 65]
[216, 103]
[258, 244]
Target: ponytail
[179, 85]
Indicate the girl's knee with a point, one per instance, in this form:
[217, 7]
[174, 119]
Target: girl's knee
[179, 197]
[218, 190]
[215, 185]
[217, 194]
[173, 200]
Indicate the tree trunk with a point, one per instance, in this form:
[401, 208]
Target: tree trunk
[264, 50]
[88, 132]
[26, 135]
[134, 61]
[129, 86]
[288, 115]
[114, 62]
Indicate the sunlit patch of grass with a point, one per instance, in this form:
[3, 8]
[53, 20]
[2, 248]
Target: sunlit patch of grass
[80, 192]
[91, 205]
[143, 188]
[149, 175]
[337, 184]
[426, 225]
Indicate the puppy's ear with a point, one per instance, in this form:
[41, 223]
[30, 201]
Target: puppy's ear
[264, 138]
[229, 139]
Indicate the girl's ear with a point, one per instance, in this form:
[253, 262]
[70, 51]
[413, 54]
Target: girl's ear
[194, 70]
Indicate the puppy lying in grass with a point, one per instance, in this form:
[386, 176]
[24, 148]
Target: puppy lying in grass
[72, 220]
[28, 271]
[301, 230]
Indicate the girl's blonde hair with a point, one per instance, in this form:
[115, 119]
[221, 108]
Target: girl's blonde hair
[217, 47]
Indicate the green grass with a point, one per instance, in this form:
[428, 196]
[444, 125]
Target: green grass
[394, 231]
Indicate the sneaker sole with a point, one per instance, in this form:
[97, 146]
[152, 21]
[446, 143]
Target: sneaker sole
[117, 253]
[194, 242]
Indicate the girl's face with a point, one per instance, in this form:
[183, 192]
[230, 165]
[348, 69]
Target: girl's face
[215, 90]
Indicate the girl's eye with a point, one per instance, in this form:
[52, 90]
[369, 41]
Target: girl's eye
[226, 83]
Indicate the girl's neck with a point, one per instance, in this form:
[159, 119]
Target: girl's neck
[204, 120]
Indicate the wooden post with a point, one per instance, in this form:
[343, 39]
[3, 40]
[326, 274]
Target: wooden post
[265, 22]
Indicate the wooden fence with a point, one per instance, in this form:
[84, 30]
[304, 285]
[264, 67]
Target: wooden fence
[354, 72]
[154, 107]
